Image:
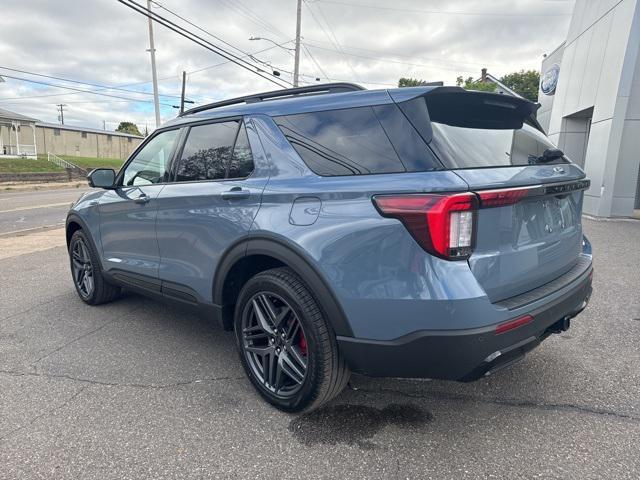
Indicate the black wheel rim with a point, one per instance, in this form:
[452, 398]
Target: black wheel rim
[82, 268]
[274, 344]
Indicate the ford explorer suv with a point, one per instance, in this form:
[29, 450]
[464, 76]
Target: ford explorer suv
[427, 232]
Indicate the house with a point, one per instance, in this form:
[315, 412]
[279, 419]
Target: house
[486, 77]
[22, 136]
[17, 134]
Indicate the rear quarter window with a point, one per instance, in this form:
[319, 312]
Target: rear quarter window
[357, 141]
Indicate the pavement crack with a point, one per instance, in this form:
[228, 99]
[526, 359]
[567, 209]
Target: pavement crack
[33, 307]
[84, 335]
[511, 402]
[119, 384]
[46, 414]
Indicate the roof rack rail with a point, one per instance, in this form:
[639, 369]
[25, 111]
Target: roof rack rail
[287, 92]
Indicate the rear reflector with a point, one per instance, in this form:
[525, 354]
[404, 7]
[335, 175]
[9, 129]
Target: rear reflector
[513, 324]
[443, 224]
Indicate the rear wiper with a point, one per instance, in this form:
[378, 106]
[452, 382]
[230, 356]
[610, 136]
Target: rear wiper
[547, 156]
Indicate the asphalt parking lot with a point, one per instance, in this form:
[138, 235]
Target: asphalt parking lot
[136, 389]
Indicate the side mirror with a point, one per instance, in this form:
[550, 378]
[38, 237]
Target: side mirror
[102, 178]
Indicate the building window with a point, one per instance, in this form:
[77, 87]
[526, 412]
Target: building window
[84, 134]
[109, 138]
[129, 139]
[56, 132]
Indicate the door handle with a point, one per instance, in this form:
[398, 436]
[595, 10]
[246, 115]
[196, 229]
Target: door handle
[142, 199]
[236, 193]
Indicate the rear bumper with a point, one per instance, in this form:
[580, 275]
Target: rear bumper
[464, 355]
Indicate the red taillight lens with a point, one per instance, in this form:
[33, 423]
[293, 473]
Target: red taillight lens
[501, 198]
[513, 324]
[442, 224]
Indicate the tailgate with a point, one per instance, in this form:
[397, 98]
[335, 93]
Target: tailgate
[529, 229]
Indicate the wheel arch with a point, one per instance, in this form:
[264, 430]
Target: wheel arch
[258, 253]
[74, 223]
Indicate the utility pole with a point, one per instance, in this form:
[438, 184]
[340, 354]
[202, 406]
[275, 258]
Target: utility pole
[154, 75]
[296, 64]
[184, 81]
[61, 109]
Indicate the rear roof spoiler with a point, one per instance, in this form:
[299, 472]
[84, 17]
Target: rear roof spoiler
[472, 109]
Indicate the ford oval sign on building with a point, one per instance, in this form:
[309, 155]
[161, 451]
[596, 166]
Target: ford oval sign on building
[549, 80]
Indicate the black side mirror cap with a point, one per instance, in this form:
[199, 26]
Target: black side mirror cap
[102, 178]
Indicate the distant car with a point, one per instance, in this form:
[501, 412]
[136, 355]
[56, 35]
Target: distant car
[415, 232]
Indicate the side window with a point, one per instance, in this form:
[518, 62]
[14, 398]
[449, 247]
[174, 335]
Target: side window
[215, 151]
[151, 164]
[207, 152]
[341, 142]
[241, 165]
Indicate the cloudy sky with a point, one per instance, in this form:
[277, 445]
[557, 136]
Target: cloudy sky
[372, 42]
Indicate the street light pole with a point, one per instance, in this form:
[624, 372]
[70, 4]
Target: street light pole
[154, 75]
[296, 63]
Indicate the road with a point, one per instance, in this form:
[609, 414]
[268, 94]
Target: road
[22, 211]
[136, 389]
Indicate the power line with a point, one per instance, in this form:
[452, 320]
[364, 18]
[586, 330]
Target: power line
[133, 84]
[337, 45]
[240, 8]
[79, 90]
[444, 12]
[311, 41]
[104, 87]
[313, 59]
[442, 67]
[196, 26]
[200, 41]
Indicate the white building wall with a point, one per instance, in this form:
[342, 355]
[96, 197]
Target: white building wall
[597, 98]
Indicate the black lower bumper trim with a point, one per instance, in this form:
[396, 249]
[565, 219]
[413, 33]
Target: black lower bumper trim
[462, 355]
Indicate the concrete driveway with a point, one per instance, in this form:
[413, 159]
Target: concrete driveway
[136, 389]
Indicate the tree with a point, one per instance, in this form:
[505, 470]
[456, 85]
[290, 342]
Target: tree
[470, 84]
[411, 82]
[128, 127]
[524, 83]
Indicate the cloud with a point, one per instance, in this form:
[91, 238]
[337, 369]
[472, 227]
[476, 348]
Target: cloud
[103, 42]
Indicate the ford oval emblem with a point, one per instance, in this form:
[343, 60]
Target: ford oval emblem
[549, 80]
[558, 169]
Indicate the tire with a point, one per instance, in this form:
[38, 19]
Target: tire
[82, 256]
[313, 347]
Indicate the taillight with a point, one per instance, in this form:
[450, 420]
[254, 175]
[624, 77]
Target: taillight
[443, 224]
[502, 197]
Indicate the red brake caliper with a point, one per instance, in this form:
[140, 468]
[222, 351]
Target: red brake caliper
[302, 343]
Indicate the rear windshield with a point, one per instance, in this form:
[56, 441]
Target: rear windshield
[357, 141]
[474, 130]
[461, 147]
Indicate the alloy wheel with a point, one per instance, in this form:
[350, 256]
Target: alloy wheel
[274, 344]
[82, 268]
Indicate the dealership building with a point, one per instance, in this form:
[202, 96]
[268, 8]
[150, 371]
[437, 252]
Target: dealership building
[590, 97]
